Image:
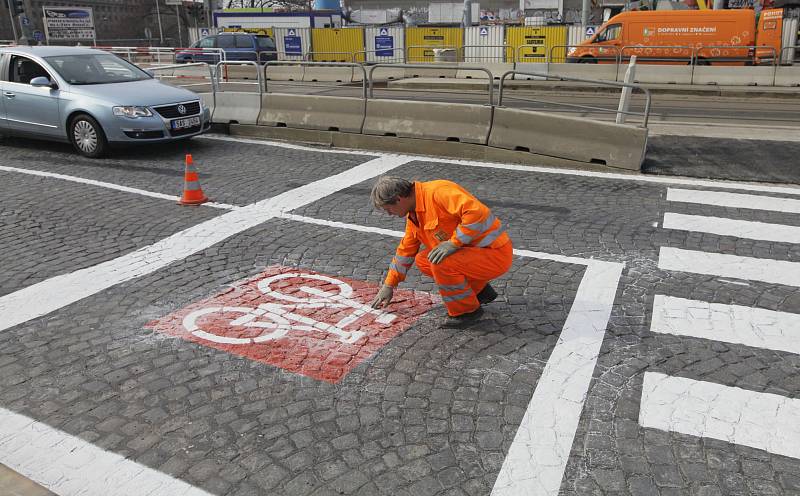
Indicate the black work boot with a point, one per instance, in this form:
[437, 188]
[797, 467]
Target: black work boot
[487, 295]
[462, 321]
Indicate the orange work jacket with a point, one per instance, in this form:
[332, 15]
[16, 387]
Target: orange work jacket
[446, 212]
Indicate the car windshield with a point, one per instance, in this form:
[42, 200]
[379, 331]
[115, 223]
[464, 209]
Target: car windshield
[95, 68]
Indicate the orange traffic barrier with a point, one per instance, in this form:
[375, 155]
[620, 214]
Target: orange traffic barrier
[192, 192]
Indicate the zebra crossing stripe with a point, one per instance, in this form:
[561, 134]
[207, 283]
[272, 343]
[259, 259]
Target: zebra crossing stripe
[734, 266]
[764, 421]
[732, 227]
[733, 200]
[756, 327]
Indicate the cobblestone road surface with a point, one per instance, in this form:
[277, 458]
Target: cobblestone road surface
[694, 378]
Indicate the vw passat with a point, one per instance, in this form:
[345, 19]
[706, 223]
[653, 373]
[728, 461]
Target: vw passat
[92, 99]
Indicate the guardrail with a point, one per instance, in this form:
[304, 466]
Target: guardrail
[463, 57]
[427, 66]
[410, 50]
[184, 66]
[304, 63]
[645, 113]
[310, 55]
[382, 58]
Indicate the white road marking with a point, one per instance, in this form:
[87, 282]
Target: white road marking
[50, 295]
[65, 464]
[102, 184]
[537, 458]
[732, 227]
[764, 421]
[734, 200]
[706, 183]
[722, 265]
[756, 327]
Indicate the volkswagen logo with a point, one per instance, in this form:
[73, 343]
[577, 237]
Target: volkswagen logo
[181, 109]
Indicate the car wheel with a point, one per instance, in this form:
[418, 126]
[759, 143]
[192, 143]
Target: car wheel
[87, 136]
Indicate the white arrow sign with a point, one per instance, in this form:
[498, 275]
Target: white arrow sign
[483, 32]
[384, 32]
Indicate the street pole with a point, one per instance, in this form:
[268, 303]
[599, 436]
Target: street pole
[178, 17]
[11, 18]
[585, 13]
[160, 30]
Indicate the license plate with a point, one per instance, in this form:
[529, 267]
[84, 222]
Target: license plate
[184, 123]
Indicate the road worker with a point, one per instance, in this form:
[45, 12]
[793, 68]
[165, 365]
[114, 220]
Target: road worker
[452, 237]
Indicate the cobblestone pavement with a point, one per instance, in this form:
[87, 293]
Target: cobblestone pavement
[694, 384]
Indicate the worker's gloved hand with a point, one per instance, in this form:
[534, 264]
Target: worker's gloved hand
[384, 297]
[442, 251]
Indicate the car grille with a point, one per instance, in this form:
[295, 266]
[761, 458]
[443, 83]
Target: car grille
[171, 111]
[184, 132]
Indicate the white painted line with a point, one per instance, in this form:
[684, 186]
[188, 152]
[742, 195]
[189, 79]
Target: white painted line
[69, 466]
[764, 421]
[756, 327]
[706, 183]
[290, 146]
[57, 292]
[102, 184]
[399, 234]
[537, 458]
[732, 227]
[734, 266]
[734, 200]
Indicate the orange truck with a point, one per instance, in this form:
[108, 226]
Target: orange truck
[718, 37]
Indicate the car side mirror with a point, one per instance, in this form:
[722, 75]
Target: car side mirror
[42, 82]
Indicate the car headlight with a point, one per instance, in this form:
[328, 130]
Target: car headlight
[132, 112]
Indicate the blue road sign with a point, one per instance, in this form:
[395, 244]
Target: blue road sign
[384, 46]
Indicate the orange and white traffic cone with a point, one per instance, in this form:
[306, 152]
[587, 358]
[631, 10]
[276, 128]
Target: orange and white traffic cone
[192, 192]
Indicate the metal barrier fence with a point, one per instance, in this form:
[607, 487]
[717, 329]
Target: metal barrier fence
[413, 49]
[463, 57]
[352, 65]
[172, 67]
[645, 113]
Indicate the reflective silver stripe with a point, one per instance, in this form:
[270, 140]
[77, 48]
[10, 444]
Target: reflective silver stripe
[404, 260]
[457, 297]
[482, 226]
[489, 239]
[454, 287]
[462, 236]
[402, 269]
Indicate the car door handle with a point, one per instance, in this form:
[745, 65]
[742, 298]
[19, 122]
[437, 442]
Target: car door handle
[9, 94]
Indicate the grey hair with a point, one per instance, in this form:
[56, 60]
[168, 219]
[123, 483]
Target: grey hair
[388, 189]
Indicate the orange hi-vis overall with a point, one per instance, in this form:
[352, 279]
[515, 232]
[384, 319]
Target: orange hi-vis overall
[447, 212]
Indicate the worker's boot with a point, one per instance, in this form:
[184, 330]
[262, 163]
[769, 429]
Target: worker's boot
[487, 295]
[462, 321]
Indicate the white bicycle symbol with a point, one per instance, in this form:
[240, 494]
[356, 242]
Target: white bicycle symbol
[279, 318]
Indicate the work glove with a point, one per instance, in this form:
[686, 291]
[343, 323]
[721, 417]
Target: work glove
[442, 251]
[384, 297]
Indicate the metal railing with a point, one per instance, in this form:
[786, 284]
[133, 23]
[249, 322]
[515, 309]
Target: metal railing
[519, 57]
[215, 81]
[305, 63]
[309, 56]
[489, 82]
[382, 58]
[410, 50]
[752, 56]
[590, 59]
[153, 70]
[645, 113]
[463, 57]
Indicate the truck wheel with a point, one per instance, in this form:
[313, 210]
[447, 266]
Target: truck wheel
[703, 62]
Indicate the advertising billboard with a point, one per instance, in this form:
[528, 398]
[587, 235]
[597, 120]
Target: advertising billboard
[68, 23]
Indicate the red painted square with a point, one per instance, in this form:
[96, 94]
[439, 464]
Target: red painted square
[309, 323]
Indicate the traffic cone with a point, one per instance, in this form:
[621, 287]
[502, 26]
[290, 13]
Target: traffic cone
[192, 192]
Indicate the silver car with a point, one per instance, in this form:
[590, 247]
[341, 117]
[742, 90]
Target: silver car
[92, 99]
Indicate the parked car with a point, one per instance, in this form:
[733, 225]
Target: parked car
[92, 99]
[237, 46]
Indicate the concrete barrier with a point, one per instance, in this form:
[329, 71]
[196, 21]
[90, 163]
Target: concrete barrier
[326, 113]
[237, 72]
[285, 72]
[328, 74]
[733, 76]
[660, 74]
[606, 72]
[436, 71]
[193, 71]
[530, 67]
[232, 106]
[386, 73]
[572, 138]
[788, 76]
[429, 120]
[497, 70]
